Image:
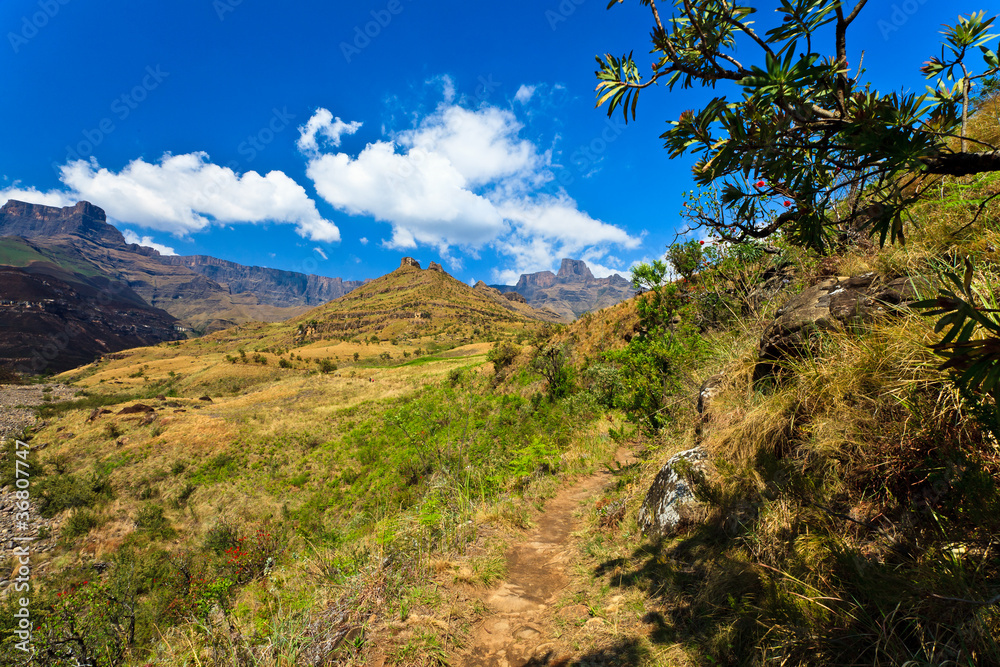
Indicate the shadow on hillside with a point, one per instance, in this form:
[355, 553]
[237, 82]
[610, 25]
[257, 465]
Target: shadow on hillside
[623, 653]
[702, 594]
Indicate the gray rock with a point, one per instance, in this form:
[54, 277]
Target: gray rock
[830, 304]
[670, 501]
[708, 391]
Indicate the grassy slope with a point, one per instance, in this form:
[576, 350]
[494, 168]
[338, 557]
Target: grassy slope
[850, 511]
[19, 253]
[405, 449]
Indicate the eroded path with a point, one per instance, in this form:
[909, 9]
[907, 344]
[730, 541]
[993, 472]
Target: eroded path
[521, 630]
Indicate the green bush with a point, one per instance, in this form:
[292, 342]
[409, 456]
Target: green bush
[150, 520]
[220, 537]
[80, 523]
[66, 491]
[502, 356]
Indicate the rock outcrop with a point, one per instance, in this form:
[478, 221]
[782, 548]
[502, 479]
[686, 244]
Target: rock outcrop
[830, 304]
[409, 261]
[18, 218]
[670, 503]
[514, 296]
[572, 292]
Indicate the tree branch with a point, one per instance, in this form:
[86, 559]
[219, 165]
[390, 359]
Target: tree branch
[961, 164]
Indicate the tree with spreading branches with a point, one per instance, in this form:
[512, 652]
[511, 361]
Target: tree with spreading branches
[802, 145]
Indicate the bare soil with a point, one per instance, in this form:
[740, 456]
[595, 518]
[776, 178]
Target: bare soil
[522, 630]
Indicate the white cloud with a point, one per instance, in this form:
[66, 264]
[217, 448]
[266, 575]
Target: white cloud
[182, 194]
[363, 241]
[324, 125]
[447, 87]
[524, 93]
[466, 178]
[33, 196]
[132, 237]
[422, 195]
[319, 251]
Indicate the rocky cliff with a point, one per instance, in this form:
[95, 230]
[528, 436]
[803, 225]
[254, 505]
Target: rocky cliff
[571, 292]
[203, 292]
[18, 218]
[271, 286]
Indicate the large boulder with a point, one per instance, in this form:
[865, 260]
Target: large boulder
[670, 501]
[514, 296]
[829, 304]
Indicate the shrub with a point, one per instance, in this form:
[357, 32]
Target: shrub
[80, 523]
[552, 363]
[150, 520]
[220, 537]
[66, 491]
[502, 356]
[327, 366]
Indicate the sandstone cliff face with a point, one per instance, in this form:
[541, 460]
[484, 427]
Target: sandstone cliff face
[271, 286]
[18, 218]
[572, 292]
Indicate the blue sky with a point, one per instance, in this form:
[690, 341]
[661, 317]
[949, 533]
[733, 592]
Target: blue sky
[336, 138]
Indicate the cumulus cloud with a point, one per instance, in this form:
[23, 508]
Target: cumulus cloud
[34, 196]
[132, 237]
[463, 177]
[422, 195]
[524, 94]
[182, 194]
[323, 125]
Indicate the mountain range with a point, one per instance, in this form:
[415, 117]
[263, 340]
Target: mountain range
[73, 289]
[571, 292]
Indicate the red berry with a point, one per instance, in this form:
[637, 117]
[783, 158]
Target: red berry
[787, 203]
[760, 184]
[701, 242]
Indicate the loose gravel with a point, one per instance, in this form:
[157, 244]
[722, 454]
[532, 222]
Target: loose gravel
[17, 401]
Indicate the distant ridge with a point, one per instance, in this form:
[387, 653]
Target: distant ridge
[571, 292]
[204, 293]
[271, 286]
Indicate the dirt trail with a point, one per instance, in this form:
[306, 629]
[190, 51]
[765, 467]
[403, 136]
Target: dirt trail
[520, 632]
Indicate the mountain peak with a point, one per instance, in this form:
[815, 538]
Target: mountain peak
[18, 218]
[574, 270]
